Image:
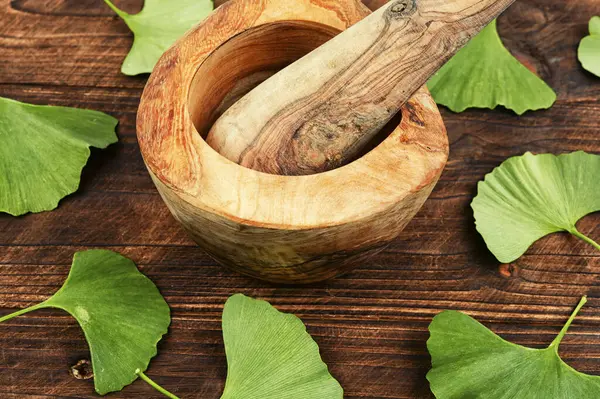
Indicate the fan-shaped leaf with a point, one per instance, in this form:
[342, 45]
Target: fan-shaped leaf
[120, 311]
[530, 196]
[43, 150]
[157, 27]
[589, 48]
[484, 75]
[271, 356]
[471, 362]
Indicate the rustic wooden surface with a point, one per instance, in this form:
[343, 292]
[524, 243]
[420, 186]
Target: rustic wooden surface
[371, 324]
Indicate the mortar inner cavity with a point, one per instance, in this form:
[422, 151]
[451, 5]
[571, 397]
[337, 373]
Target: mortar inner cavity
[248, 59]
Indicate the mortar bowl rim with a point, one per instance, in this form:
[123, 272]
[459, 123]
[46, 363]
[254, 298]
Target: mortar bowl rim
[410, 159]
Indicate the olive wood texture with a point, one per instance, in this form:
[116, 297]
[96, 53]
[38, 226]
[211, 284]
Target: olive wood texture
[370, 324]
[296, 229]
[318, 113]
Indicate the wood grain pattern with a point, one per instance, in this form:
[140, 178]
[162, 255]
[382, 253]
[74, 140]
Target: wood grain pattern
[320, 112]
[371, 324]
[294, 229]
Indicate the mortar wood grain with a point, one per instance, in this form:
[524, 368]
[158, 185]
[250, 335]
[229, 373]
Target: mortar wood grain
[371, 324]
[292, 229]
[320, 112]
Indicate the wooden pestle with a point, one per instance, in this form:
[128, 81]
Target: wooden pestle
[319, 112]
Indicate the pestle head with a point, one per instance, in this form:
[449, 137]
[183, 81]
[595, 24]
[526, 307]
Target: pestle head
[321, 111]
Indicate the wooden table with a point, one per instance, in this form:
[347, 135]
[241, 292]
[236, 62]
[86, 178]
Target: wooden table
[371, 324]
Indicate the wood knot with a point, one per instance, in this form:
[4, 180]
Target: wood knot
[82, 370]
[508, 270]
[415, 113]
[402, 8]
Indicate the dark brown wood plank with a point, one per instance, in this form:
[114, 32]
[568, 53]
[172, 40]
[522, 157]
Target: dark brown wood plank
[372, 323]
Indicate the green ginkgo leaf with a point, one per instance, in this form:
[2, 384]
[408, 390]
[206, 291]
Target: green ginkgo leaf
[531, 196]
[471, 362]
[589, 48]
[121, 312]
[484, 75]
[157, 27]
[271, 356]
[43, 150]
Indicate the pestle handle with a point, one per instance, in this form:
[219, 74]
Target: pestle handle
[320, 111]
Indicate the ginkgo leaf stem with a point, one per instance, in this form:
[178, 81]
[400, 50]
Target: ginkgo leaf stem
[155, 385]
[20, 312]
[115, 9]
[585, 238]
[564, 330]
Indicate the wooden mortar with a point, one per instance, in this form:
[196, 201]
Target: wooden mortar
[292, 229]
